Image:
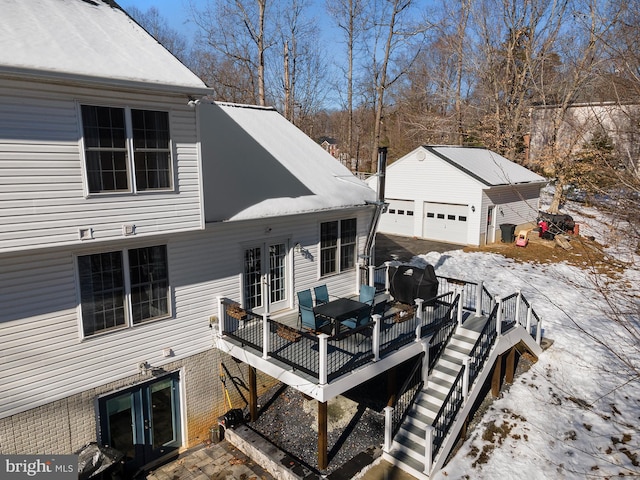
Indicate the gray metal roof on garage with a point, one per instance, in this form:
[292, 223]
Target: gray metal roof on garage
[486, 166]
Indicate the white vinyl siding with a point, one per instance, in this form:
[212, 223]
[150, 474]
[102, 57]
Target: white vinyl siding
[42, 197]
[425, 179]
[44, 357]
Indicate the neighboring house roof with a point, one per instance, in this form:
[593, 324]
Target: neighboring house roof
[258, 164]
[86, 40]
[490, 168]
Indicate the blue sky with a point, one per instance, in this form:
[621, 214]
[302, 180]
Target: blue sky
[178, 15]
[175, 12]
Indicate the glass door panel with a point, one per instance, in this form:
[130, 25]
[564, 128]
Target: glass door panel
[143, 422]
[253, 278]
[265, 277]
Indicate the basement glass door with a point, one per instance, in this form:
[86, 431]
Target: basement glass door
[142, 422]
[265, 277]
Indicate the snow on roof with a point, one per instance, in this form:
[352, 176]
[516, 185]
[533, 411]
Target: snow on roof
[85, 38]
[277, 168]
[484, 165]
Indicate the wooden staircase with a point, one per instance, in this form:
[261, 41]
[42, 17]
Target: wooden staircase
[408, 448]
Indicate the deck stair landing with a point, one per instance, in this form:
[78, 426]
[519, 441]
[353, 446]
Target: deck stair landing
[408, 448]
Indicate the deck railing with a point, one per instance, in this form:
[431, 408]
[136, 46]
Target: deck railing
[505, 314]
[443, 334]
[327, 357]
[407, 394]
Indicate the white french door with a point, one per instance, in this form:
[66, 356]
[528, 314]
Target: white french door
[266, 277]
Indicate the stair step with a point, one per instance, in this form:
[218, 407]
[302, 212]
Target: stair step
[414, 449]
[407, 459]
[448, 372]
[432, 395]
[461, 336]
[427, 408]
[461, 349]
[451, 359]
[419, 418]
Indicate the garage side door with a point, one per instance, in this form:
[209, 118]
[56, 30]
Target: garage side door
[445, 222]
[399, 218]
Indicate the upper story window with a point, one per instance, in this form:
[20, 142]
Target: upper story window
[123, 288]
[125, 147]
[337, 246]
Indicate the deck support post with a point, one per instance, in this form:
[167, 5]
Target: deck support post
[419, 311]
[265, 336]
[460, 304]
[425, 364]
[387, 283]
[499, 314]
[465, 378]
[511, 366]
[388, 427]
[428, 449]
[253, 394]
[323, 455]
[375, 339]
[221, 317]
[392, 385]
[323, 343]
[496, 378]
[539, 331]
[479, 291]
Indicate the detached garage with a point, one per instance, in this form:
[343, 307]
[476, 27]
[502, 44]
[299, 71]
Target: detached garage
[457, 194]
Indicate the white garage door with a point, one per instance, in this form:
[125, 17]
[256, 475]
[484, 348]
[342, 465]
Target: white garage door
[445, 222]
[398, 218]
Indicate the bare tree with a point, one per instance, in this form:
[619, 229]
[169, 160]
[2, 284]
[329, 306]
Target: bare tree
[237, 31]
[301, 70]
[157, 26]
[393, 29]
[348, 15]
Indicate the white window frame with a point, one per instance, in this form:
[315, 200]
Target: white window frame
[128, 305]
[130, 153]
[338, 249]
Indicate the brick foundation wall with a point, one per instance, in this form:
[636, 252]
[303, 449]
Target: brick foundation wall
[66, 425]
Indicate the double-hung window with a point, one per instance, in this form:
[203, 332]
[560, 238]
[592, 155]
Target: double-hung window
[337, 246]
[125, 147]
[123, 288]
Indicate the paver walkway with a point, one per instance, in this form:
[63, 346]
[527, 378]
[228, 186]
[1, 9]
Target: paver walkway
[217, 461]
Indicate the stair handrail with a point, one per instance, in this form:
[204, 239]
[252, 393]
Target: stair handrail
[480, 351]
[411, 388]
[451, 405]
[447, 413]
[447, 329]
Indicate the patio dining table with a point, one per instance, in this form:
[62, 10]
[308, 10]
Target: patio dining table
[338, 310]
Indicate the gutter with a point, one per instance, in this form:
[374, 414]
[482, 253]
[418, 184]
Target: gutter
[82, 80]
[380, 207]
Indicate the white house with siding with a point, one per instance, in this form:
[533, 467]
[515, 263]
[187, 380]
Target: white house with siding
[127, 208]
[457, 195]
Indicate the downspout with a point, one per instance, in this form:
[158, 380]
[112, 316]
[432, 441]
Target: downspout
[380, 206]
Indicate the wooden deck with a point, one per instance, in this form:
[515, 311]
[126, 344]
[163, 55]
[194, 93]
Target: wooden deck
[322, 358]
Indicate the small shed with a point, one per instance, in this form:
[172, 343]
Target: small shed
[457, 195]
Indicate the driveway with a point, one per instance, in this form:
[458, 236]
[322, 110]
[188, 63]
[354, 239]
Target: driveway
[394, 247]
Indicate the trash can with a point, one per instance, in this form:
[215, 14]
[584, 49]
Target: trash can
[508, 232]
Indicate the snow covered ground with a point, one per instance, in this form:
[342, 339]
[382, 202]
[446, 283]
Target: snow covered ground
[576, 412]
